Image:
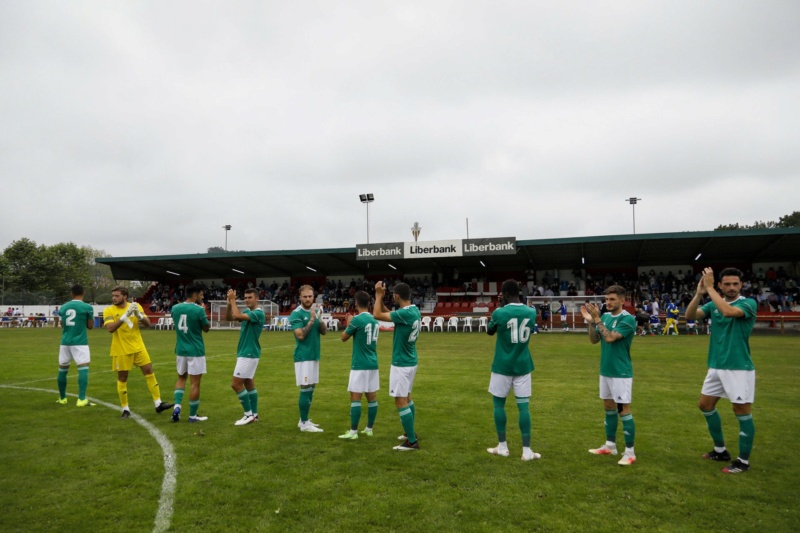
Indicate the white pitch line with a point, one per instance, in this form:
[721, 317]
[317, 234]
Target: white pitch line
[167, 498]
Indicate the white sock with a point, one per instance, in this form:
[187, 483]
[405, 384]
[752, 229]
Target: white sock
[629, 451]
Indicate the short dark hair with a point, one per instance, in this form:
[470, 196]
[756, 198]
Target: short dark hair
[403, 291]
[619, 290]
[76, 289]
[510, 288]
[192, 289]
[120, 289]
[362, 299]
[251, 291]
[730, 272]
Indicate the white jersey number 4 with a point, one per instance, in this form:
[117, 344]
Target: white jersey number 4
[182, 324]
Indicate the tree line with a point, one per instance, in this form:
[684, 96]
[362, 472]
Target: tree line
[29, 268]
[788, 221]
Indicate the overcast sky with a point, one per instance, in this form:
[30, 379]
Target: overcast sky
[141, 128]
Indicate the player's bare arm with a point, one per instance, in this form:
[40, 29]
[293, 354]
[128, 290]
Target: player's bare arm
[586, 312]
[232, 311]
[693, 311]
[301, 333]
[379, 311]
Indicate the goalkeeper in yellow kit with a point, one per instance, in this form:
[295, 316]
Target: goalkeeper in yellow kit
[122, 320]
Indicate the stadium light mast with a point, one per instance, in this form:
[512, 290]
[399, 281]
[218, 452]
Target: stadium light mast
[227, 228]
[367, 199]
[632, 200]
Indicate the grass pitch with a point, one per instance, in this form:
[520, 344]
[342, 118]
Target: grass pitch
[70, 469]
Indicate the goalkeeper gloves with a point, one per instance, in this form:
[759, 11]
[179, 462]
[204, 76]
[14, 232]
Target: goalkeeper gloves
[131, 310]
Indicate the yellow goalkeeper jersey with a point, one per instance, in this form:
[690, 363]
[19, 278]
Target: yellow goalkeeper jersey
[124, 340]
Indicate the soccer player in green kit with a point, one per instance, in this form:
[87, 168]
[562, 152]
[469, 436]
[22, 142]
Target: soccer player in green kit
[512, 366]
[190, 322]
[76, 319]
[248, 352]
[404, 356]
[615, 330]
[731, 373]
[307, 327]
[364, 377]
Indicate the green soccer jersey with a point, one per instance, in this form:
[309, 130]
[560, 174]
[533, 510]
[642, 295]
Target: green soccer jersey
[74, 316]
[189, 320]
[513, 323]
[308, 348]
[615, 357]
[406, 330]
[249, 333]
[729, 347]
[364, 330]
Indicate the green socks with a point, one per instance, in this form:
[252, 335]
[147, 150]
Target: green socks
[83, 381]
[407, 419]
[253, 394]
[244, 399]
[372, 413]
[304, 403]
[194, 405]
[714, 423]
[747, 431]
[524, 421]
[178, 396]
[612, 419]
[500, 418]
[62, 382]
[628, 429]
[355, 415]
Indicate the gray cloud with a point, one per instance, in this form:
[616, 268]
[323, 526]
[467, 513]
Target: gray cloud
[531, 119]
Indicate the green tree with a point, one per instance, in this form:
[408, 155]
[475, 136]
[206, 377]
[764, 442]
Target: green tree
[66, 265]
[790, 221]
[27, 265]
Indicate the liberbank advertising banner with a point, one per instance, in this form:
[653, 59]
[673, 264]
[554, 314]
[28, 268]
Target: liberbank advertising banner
[428, 249]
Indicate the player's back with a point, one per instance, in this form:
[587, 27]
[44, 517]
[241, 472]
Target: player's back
[74, 317]
[513, 323]
[406, 330]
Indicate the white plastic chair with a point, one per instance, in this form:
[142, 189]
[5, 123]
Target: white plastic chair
[467, 323]
[333, 324]
[425, 323]
[273, 325]
[169, 324]
[284, 323]
[482, 323]
[438, 322]
[452, 323]
[160, 323]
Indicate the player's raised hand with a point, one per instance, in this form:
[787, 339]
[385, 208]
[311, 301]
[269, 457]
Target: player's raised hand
[131, 310]
[586, 314]
[231, 294]
[380, 287]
